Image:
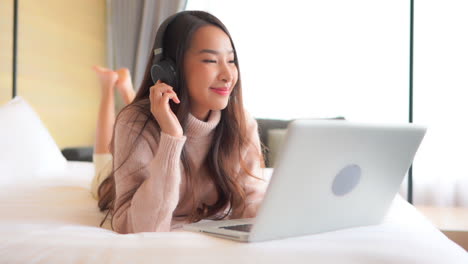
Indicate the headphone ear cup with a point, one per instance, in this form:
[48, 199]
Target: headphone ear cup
[164, 70]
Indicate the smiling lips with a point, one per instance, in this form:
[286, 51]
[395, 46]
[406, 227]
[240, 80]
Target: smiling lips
[221, 90]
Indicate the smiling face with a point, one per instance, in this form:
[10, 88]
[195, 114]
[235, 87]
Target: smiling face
[211, 72]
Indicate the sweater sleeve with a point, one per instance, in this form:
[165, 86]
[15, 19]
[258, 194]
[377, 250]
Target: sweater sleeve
[150, 173]
[254, 187]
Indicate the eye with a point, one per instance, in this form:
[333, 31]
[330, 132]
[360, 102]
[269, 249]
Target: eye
[209, 61]
[232, 61]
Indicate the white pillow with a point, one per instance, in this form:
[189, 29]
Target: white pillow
[27, 150]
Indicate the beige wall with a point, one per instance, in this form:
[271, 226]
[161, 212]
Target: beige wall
[59, 41]
[6, 49]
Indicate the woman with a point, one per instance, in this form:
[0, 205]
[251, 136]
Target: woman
[186, 152]
[110, 81]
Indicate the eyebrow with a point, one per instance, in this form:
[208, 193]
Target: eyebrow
[210, 51]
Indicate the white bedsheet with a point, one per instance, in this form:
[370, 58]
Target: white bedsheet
[55, 220]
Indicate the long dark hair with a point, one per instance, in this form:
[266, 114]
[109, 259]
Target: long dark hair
[230, 135]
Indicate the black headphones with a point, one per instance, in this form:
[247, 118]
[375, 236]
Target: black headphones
[163, 68]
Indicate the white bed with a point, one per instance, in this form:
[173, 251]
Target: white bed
[54, 219]
[47, 215]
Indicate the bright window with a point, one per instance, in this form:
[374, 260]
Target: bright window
[324, 58]
[440, 101]
[320, 58]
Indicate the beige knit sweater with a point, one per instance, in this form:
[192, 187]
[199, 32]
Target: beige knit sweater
[155, 169]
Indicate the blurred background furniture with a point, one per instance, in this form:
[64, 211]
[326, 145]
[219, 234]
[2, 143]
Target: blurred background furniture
[271, 131]
[452, 221]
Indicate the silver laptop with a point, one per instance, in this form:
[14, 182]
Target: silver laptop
[329, 175]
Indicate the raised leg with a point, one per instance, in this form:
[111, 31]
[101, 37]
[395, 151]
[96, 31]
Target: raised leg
[106, 115]
[125, 86]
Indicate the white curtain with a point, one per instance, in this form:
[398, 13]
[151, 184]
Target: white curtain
[132, 27]
[440, 87]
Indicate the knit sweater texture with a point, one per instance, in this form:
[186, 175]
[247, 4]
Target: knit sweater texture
[154, 169]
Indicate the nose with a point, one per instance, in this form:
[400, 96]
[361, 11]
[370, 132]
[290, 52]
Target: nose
[226, 73]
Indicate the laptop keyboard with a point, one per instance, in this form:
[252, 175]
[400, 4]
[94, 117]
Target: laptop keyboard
[242, 228]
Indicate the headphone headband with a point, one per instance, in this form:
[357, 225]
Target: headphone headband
[158, 42]
[163, 68]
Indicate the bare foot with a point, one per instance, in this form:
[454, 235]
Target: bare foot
[125, 86]
[108, 78]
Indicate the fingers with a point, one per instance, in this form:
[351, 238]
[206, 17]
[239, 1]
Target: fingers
[168, 96]
[161, 91]
[160, 94]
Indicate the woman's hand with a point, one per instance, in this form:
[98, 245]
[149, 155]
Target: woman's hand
[160, 94]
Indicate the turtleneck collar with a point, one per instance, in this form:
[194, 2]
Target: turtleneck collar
[198, 128]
